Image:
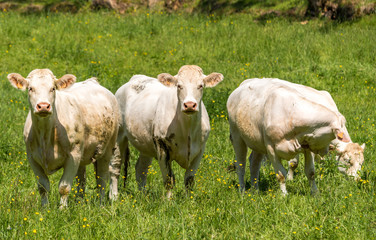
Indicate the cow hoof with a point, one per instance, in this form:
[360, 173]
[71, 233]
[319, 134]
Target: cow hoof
[315, 193]
[114, 197]
[290, 177]
[284, 193]
[169, 195]
[63, 207]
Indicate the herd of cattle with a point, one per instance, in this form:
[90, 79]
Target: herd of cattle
[71, 125]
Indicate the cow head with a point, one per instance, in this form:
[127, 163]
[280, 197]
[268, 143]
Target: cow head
[319, 139]
[41, 85]
[190, 82]
[351, 156]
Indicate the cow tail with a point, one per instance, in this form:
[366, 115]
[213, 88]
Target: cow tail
[126, 164]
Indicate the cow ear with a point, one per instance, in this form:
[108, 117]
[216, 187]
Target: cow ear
[213, 79]
[342, 136]
[363, 146]
[65, 81]
[18, 81]
[167, 79]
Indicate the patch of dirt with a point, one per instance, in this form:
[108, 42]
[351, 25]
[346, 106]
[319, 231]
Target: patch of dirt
[63, 7]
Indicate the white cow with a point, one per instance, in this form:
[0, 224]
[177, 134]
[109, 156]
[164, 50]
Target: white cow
[348, 154]
[280, 119]
[163, 118]
[67, 128]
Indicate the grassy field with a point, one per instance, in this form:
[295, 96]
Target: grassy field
[340, 58]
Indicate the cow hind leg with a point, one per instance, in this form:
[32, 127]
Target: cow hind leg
[240, 149]
[309, 169]
[121, 155]
[126, 165]
[293, 164]
[142, 169]
[280, 171]
[255, 160]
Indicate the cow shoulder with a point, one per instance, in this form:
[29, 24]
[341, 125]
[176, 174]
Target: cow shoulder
[27, 129]
[165, 118]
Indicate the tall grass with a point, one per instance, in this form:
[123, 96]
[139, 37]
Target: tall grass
[338, 58]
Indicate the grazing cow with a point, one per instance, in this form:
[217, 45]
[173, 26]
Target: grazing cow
[68, 126]
[348, 154]
[163, 118]
[280, 119]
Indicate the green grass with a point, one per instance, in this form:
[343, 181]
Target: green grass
[339, 58]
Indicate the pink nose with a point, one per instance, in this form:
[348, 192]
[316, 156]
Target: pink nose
[43, 107]
[190, 106]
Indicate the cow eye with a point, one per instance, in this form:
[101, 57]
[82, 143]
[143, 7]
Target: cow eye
[180, 86]
[53, 89]
[200, 86]
[31, 89]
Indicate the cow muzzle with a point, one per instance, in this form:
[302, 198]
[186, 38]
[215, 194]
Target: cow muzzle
[43, 109]
[190, 107]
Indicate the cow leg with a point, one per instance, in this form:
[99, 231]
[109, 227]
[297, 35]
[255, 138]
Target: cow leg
[142, 169]
[81, 181]
[167, 175]
[126, 155]
[164, 160]
[280, 171]
[114, 169]
[102, 171]
[240, 149]
[121, 155]
[66, 181]
[255, 160]
[293, 164]
[190, 173]
[43, 182]
[309, 169]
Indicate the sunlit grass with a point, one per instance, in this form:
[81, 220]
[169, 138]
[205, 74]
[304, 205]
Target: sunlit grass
[338, 58]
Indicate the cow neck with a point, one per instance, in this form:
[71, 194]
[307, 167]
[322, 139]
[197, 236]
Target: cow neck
[44, 129]
[189, 123]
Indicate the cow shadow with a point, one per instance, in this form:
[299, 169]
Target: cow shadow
[268, 183]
